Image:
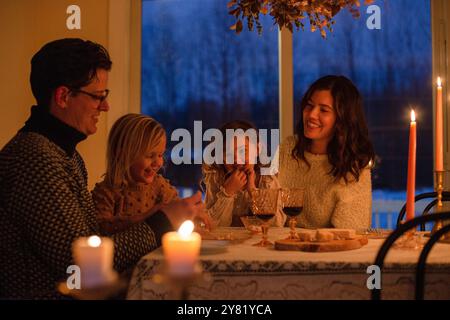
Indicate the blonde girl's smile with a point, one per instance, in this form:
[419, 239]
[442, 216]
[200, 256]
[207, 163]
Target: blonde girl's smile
[145, 168]
[149, 173]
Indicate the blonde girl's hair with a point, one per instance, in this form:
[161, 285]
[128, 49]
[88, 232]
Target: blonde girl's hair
[131, 136]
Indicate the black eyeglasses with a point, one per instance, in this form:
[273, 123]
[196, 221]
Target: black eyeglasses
[93, 96]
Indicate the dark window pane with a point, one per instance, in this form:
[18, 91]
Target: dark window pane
[195, 68]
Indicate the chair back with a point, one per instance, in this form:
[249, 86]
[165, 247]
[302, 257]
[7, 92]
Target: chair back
[421, 265]
[398, 232]
[426, 195]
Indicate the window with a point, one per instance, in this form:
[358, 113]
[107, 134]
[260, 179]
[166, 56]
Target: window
[195, 68]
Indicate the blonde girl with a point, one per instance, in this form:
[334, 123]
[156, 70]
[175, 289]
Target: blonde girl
[132, 188]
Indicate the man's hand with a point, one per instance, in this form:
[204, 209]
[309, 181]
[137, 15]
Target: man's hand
[178, 211]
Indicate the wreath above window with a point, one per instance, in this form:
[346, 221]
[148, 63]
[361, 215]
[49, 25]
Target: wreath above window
[290, 13]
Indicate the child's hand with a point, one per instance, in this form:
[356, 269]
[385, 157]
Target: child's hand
[251, 179]
[235, 182]
[191, 208]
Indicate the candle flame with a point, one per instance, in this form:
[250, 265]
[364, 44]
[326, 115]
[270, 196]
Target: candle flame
[186, 229]
[94, 241]
[439, 82]
[413, 116]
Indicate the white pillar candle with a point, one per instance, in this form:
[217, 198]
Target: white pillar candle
[94, 256]
[181, 249]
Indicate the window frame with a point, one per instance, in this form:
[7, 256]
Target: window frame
[125, 81]
[440, 33]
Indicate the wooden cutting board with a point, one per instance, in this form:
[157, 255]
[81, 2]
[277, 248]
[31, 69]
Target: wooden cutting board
[314, 246]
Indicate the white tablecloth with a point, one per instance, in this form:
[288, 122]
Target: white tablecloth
[243, 271]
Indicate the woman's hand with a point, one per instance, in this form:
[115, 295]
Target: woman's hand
[235, 182]
[251, 179]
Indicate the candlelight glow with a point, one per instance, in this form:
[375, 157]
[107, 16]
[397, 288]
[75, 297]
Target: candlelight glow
[186, 229]
[439, 83]
[94, 241]
[413, 116]
[181, 249]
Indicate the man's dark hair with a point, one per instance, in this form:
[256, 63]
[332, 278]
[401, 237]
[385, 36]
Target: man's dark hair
[66, 62]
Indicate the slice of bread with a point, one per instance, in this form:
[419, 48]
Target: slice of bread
[341, 234]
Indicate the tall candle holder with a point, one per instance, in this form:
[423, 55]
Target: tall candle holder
[439, 188]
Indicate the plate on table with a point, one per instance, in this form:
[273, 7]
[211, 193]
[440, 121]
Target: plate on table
[372, 233]
[214, 246]
[230, 235]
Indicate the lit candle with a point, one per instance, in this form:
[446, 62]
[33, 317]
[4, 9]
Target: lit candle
[411, 179]
[181, 249]
[94, 256]
[439, 161]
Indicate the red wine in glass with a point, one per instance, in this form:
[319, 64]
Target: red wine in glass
[292, 211]
[265, 216]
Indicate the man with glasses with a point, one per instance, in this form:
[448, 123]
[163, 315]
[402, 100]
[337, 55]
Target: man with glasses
[44, 200]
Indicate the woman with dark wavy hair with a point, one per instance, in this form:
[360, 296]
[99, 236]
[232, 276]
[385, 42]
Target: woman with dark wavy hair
[330, 156]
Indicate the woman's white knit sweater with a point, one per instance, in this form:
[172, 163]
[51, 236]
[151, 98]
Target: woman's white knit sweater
[327, 203]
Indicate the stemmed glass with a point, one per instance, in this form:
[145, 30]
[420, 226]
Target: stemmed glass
[264, 204]
[292, 202]
[411, 240]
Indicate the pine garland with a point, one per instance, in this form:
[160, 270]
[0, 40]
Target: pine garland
[290, 13]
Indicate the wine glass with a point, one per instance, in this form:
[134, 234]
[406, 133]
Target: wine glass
[292, 202]
[410, 240]
[264, 203]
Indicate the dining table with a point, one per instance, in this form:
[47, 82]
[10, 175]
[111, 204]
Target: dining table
[235, 269]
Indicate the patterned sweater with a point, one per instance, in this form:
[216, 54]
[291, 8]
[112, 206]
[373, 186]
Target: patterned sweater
[326, 203]
[120, 207]
[45, 205]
